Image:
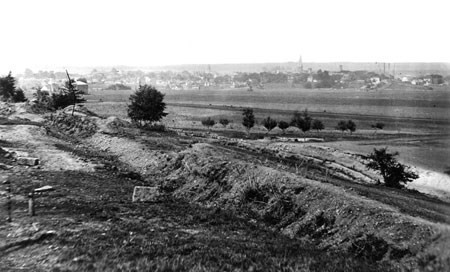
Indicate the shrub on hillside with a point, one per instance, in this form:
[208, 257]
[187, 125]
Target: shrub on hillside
[283, 125]
[393, 172]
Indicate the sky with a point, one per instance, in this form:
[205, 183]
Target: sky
[67, 33]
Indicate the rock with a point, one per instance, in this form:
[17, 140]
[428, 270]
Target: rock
[28, 161]
[43, 189]
[5, 166]
[99, 166]
[146, 194]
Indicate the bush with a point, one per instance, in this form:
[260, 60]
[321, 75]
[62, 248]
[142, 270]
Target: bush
[61, 100]
[146, 106]
[19, 96]
[317, 125]
[301, 120]
[393, 172]
[224, 122]
[269, 123]
[342, 125]
[155, 127]
[248, 121]
[67, 96]
[209, 122]
[283, 125]
[351, 126]
[377, 126]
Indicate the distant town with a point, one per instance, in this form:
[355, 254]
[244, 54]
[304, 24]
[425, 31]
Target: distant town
[206, 77]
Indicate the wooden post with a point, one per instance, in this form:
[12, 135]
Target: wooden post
[9, 204]
[31, 211]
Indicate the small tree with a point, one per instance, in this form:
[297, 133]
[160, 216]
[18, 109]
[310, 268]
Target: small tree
[317, 125]
[283, 125]
[269, 124]
[74, 93]
[147, 106]
[342, 125]
[19, 96]
[377, 126]
[302, 120]
[351, 126]
[7, 87]
[8, 90]
[224, 122]
[248, 120]
[209, 122]
[393, 172]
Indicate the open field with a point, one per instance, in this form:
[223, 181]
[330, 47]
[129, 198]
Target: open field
[407, 103]
[407, 112]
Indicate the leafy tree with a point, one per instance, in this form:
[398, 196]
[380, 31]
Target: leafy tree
[393, 172]
[377, 126]
[147, 105]
[283, 125]
[249, 119]
[209, 122]
[269, 124]
[342, 125]
[302, 120]
[7, 87]
[351, 126]
[224, 122]
[324, 78]
[317, 125]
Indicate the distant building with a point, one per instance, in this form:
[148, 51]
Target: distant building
[436, 79]
[82, 86]
[406, 79]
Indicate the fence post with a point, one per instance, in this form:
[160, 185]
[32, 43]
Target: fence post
[31, 211]
[8, 197]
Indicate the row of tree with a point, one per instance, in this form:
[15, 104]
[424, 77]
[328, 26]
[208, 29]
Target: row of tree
[300, 120]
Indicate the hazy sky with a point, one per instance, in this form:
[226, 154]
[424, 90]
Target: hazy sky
[63, 33]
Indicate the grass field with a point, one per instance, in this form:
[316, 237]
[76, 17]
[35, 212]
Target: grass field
[403, 109]
[407, 103]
